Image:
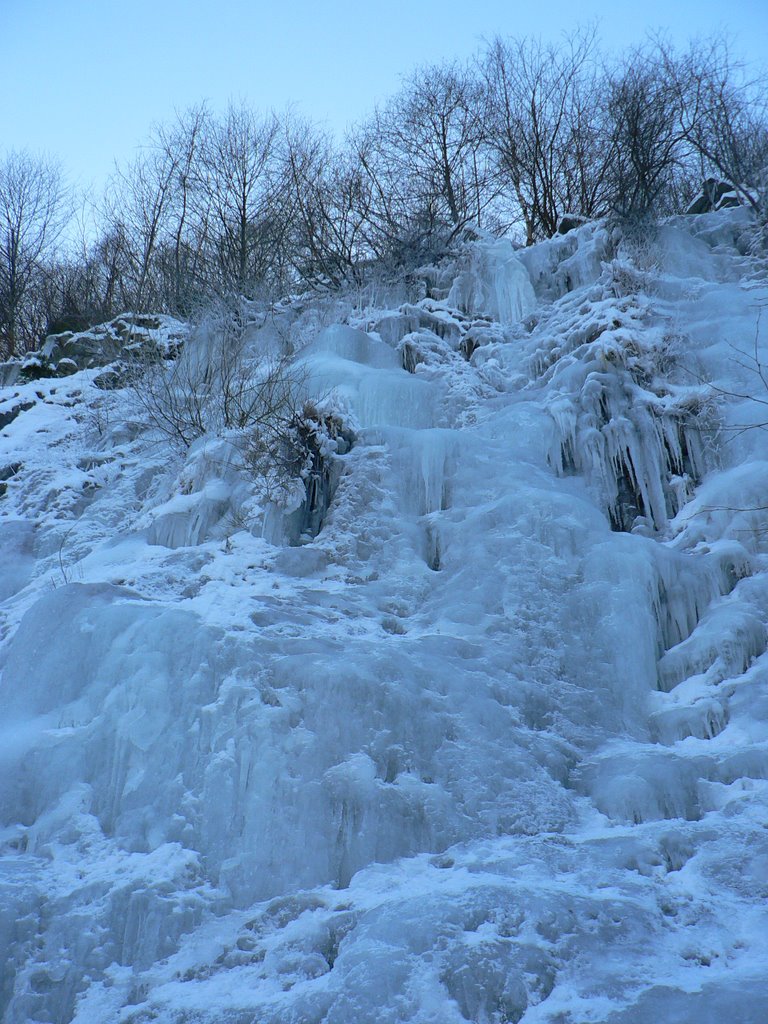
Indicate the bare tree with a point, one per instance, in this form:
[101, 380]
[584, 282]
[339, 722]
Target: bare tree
[182, 254]
[544, 128]
[218, 383]
[436, 125]
[329, 208]
[651, 154]
[240, 178]
[423, 157]
[249, 205]
[33, 213]
[138, 206]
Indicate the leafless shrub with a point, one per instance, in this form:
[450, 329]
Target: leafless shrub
[217, 385]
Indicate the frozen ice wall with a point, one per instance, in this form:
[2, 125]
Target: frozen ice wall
[493, 282]
[490, 747]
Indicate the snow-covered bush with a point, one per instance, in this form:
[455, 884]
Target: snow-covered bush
[291, 458]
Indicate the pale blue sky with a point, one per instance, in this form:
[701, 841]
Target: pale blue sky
[84, 79]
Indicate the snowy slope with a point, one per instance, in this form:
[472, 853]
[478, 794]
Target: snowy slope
[492, 746]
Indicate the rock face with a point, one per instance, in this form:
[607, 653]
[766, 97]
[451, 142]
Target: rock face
[121, 338]
[714, 195]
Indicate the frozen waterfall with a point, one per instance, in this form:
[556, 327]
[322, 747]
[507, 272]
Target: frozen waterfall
[491, 746]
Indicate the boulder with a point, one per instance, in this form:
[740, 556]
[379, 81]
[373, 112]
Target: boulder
[118, 339]
[714, 195]
[569, 222]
